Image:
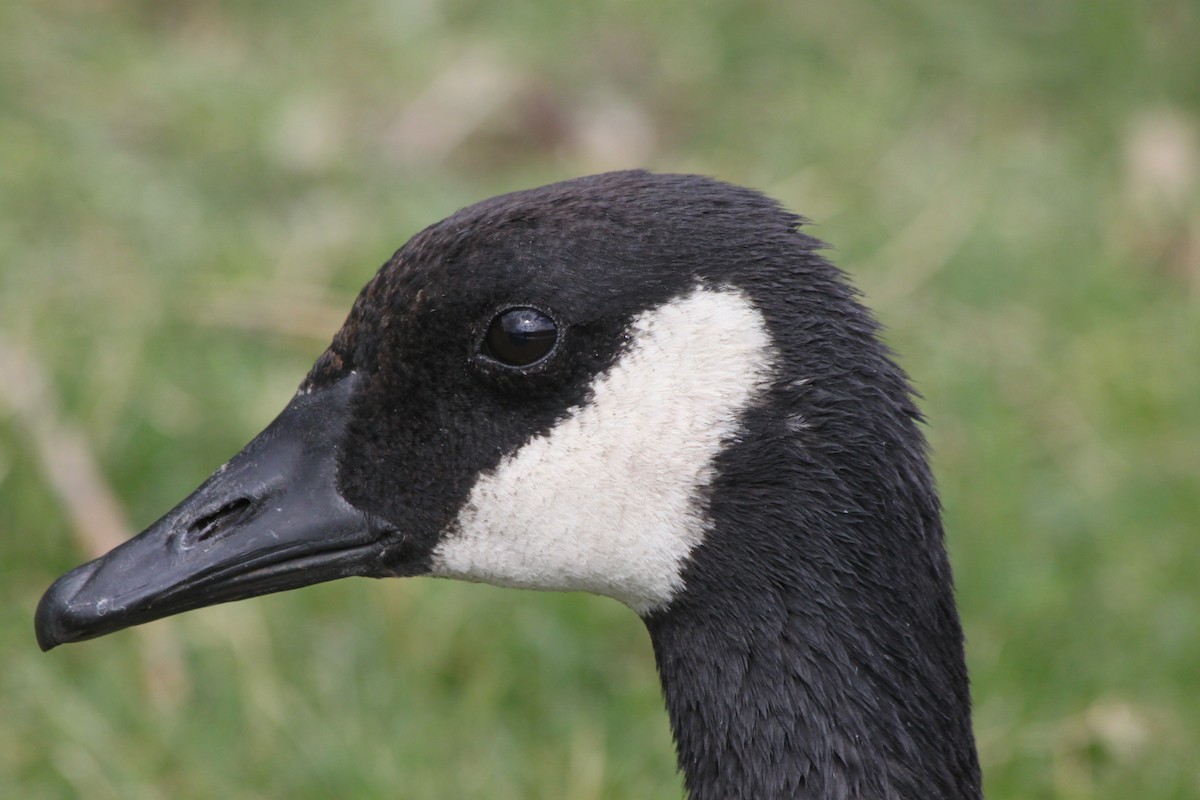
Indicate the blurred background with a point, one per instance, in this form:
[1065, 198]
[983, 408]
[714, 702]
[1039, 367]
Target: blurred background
[191, 195]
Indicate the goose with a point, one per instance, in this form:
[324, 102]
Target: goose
[650, 387]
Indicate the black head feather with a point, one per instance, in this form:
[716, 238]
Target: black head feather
[817, 650]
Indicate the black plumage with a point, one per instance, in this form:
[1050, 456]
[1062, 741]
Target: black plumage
[815, 650]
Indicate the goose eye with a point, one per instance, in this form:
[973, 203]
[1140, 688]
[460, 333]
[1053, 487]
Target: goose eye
[519, 337]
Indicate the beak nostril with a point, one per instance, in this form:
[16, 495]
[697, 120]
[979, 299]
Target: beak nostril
[217, 522]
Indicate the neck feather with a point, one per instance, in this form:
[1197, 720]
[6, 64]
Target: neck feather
[816, 651]
[784, 707]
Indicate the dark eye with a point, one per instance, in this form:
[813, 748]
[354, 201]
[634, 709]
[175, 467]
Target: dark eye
[520, 336]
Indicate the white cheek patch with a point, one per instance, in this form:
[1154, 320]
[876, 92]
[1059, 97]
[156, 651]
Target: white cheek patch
[610, 500]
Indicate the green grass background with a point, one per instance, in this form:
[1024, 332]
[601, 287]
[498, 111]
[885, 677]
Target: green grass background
[191, 194]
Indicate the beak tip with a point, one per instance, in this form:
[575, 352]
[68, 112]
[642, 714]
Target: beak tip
[47, 638]
[53, 622]
[46, 624]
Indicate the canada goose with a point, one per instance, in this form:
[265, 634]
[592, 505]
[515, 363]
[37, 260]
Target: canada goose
[650, 387]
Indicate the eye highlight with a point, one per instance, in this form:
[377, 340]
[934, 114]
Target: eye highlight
[520, 337]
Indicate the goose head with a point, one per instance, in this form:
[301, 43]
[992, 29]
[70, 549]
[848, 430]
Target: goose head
[648, 387]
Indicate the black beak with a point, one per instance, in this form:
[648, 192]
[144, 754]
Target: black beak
[269, 520]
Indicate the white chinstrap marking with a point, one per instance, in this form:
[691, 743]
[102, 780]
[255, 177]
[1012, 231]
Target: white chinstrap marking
[610, 501]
